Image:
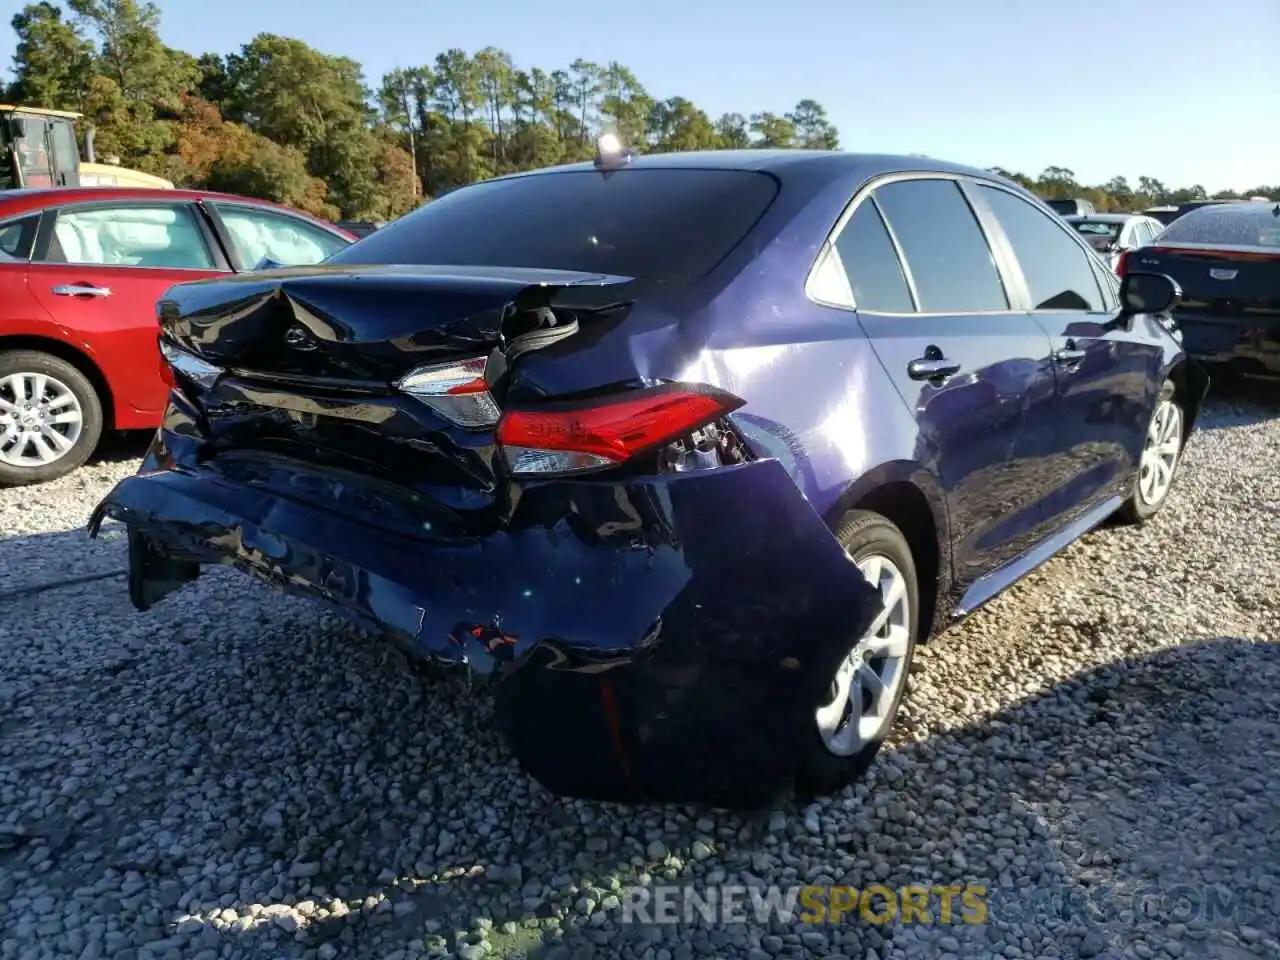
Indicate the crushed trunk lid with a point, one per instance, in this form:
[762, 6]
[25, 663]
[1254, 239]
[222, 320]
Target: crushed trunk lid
[306, 363]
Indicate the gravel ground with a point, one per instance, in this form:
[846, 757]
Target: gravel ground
[238, 774]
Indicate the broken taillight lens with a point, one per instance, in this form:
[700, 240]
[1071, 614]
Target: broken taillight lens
[456, 390]
[560, 438]
[198, 371]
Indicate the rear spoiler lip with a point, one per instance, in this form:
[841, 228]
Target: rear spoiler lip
[1256, 250]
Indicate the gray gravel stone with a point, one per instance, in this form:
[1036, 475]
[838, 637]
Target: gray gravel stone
[237, 773]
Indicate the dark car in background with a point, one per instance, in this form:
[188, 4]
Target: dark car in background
[1165, 214]
[1189, 205]
[360, 228]
[1113, 234]
[683, 468]
[1072, 208]
[1226, 258]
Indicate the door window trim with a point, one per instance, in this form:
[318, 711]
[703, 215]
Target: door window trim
[49, 218]
[1015, 265]
[1010, 279]
[212, 207]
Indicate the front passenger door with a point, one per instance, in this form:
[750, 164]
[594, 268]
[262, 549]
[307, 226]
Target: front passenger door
[1104, 367]
[254, 234]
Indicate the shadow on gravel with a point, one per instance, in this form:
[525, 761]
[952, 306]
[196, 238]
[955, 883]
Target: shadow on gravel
[32, 562]
[119, 446]
[211, 797]
[1241, 401]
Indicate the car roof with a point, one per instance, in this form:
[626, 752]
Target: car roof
[28, 199]
[1236, 208]
[821, 164]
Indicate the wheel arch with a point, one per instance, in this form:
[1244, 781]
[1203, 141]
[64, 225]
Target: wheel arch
[77, 358]
[911, 497]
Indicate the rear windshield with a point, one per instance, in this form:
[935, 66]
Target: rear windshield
[663, 225]
[1234, 225]
[1098, 228]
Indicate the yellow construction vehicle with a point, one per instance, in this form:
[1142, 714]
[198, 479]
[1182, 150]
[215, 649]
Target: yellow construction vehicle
[38, 149]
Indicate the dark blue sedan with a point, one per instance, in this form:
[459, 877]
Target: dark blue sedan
[686, 452]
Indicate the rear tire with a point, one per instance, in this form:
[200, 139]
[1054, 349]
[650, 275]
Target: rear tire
[845, 739]
[50, 418]
[1157, 468]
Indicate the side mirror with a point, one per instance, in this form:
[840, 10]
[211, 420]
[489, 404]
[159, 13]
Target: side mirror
[18, 127]
[1148, 293]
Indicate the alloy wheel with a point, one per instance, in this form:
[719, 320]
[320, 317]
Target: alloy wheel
[868, 680]
[1160, 453]
[40, 419]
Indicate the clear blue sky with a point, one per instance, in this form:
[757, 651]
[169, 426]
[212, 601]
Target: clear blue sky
[1184, 90]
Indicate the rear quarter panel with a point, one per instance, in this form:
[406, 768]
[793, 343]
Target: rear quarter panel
[817, 397]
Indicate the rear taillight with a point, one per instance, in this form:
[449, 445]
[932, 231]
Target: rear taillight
[166, 371]
[559, 438]
[1122, 263]
[456, 390]
[198, 371]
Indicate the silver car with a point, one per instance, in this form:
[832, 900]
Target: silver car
[1112, 234]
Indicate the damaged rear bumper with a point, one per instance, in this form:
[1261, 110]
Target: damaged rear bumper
[664, 638]
[1250, 347]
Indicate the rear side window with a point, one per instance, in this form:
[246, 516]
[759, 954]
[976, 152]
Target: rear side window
[663, 225]
[18, 236]
[1058, 272]
[1241, 225]
[945, 249]
[871, 263]
[130, 235]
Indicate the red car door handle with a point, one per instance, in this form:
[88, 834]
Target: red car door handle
[77, 290]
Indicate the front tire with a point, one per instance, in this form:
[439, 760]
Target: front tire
[1161, 456]
[50, 418]
[849, 728]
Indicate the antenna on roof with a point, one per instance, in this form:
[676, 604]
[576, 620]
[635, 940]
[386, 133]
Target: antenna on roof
[610, 153]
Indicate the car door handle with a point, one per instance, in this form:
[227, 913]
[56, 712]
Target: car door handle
[75, 290]
[932, 367]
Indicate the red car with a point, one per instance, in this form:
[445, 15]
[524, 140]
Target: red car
[80, 273]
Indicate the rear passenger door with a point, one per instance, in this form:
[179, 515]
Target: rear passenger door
[975, 371]
[98, 269]
[1105, 369]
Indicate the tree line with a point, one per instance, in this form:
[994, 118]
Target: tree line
[280, 120]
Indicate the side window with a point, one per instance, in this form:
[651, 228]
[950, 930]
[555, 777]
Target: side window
[1058, 273]
[871, 263]
[945, 249]
[289, 241]
[17, 236]
[33, 153]
[143, 235]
